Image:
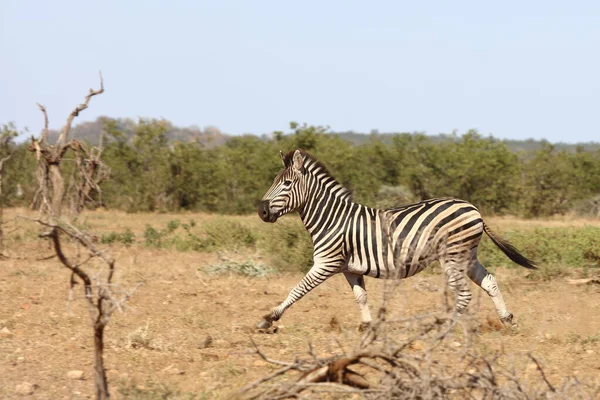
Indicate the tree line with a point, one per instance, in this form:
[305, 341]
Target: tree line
[152, 172]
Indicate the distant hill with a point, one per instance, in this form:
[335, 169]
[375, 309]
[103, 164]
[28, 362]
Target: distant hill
[515, 145]
[211, 136]
[89, 131]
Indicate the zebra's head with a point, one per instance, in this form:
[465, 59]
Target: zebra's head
[286, 192]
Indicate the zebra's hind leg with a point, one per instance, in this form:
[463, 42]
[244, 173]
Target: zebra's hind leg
[455, 274]
[357, 283]
[487, 282]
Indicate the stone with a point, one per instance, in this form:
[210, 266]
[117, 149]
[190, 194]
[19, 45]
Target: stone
[207, 342]
[24, 388]
[418, 345]
[222, 344]
[175, 371]
[259, 363]
[75, 375]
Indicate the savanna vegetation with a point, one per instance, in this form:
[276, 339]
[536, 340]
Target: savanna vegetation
[161, 214]
[156, 167]
[207, 279]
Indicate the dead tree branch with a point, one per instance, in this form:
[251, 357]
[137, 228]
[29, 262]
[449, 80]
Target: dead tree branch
[101, 294]
[65, 132]
[430, 356]
[44, 137]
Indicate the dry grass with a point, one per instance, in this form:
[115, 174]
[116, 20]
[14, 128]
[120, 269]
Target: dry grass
[159, 348]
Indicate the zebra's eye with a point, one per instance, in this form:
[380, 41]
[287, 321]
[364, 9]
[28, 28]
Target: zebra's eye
[287, 182]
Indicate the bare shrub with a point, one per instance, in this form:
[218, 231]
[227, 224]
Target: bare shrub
[427, 356]
[249, 268]
[102, 294]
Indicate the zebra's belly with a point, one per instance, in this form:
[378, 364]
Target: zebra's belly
[400, 264]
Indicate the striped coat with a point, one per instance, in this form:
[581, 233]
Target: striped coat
[359, 241]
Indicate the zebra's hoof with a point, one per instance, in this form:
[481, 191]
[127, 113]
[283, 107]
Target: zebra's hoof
[364, 326]
[509, 322]
[264, 324]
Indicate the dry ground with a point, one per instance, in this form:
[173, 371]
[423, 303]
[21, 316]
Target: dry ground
[159, 345]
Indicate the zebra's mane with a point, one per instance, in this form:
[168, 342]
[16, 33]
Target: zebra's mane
[311, 161]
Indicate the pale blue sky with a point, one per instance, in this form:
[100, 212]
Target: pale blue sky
[514, 69]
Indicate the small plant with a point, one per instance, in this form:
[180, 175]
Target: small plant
[173, 225]
[156, 391]
[152, 237]
[591, 339]
[249, 268]
[127, 238]
[109, 238]
[141, 338]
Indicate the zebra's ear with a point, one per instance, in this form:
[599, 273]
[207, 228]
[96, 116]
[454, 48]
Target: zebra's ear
[298, 160]
[282, 157]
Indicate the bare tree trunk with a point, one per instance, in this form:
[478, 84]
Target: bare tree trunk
[99, 370]
[58, 189]
[99, 294]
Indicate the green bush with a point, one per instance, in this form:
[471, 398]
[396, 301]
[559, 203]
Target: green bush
[220, 234]
[153, 238]
[288, 247]
[227, 233]
[127, 238]
[548, 247]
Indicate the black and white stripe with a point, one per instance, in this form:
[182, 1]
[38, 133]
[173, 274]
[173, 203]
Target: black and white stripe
[395, 243]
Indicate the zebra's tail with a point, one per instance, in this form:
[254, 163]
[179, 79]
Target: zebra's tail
[508, 249]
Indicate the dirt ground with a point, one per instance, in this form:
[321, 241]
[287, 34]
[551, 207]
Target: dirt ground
[158, 348]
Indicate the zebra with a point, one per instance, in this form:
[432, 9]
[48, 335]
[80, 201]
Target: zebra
[397, 243]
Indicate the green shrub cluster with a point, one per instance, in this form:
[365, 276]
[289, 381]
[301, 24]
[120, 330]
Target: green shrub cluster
[286, 243]
[572, 246]
[287, 246]
[226, 233]
[152, 171]
[556, 251]
[127, 238]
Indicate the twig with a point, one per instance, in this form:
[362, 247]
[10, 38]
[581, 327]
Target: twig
[65, 132]
[267, 359]
[542, 373]
[44, 137]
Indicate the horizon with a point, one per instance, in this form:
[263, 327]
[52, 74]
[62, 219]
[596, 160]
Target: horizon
[24, 136]
[513, 71]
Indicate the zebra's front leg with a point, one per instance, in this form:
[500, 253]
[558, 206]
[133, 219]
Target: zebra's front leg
[315, 276]
[357, 283]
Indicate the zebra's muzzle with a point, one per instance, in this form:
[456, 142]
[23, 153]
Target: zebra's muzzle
[264, 212]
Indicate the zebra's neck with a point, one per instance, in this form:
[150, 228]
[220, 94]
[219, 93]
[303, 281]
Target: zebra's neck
[326, 201]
